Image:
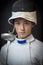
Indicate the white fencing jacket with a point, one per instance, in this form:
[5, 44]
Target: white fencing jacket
[15, 53]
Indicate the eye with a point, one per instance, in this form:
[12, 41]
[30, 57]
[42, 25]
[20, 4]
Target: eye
[27, 22]
[18, 23]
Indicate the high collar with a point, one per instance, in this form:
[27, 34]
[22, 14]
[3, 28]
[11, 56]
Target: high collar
[28, 39]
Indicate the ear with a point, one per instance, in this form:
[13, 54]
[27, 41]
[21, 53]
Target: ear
[14, 31]
[33, 24]
[14, 25]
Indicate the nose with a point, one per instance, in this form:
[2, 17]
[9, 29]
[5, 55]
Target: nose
[22, 27]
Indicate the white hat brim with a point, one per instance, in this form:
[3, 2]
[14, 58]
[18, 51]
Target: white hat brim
[31, 16]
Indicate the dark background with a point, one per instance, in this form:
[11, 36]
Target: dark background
[5, 13]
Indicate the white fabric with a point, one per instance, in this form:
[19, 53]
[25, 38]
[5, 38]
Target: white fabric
[22, 54]
[31, 16]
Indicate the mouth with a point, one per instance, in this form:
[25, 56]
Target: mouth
[22, 33]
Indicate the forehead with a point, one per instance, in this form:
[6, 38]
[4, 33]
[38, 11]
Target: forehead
[21, 19]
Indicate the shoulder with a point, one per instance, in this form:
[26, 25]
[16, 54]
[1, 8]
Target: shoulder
[38, 44]
[4, 48]
[3, 53]
[38, 41]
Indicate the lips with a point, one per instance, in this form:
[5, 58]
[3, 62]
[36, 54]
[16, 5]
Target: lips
[22, 32]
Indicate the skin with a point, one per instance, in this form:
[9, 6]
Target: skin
[23, 27]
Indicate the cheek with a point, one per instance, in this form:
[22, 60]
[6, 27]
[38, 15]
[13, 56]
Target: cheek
[28, 28]
[17, 29]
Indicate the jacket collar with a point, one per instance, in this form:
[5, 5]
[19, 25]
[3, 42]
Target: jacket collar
[29, 39]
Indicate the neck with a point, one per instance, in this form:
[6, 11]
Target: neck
[24, 37]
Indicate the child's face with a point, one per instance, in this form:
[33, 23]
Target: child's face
[23, 27]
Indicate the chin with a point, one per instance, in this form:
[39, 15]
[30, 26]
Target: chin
[22, 37]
